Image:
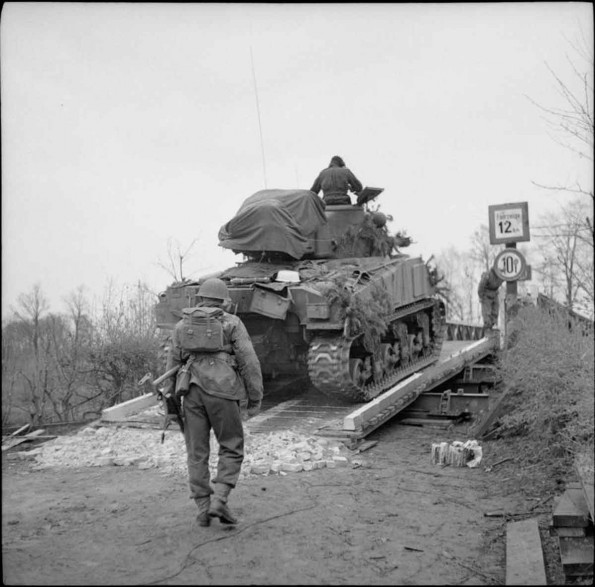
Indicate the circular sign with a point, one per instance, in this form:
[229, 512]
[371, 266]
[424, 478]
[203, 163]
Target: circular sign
[509, 264]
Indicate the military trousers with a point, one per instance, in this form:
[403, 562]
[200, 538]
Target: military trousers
[203, 412]
[490, 307]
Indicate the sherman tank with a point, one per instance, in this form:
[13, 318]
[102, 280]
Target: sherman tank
[324, 291]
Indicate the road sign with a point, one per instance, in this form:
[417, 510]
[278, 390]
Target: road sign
[509, 223]
[510, 264]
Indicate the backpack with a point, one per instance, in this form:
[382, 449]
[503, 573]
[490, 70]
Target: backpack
[201, 330]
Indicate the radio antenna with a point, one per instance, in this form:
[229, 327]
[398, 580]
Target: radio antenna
[264, 168]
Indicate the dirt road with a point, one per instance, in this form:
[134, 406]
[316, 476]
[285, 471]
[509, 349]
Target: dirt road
[393, 519]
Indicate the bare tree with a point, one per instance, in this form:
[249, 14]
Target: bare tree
[176, 259]
[64, 366]
[568, 247]
[482, 251]
[569, 238]
[10, 360]
[34, 369]
[41, 360]
[460, 275]
[549, 276]
[572, 123]
[72, 336]
[125, 343]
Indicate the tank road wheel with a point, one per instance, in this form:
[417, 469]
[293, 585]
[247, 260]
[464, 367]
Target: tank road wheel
[341, 367]
[357, 372]
[387, 358]
[402, 334]
[378, 368]
[416, 344]
[423, 320]
[397, 352]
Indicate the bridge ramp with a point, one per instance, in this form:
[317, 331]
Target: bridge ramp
[315, 413]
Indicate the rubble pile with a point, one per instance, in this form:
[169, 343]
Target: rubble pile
[279, 452]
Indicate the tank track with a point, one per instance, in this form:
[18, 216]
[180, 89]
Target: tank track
[328, 359]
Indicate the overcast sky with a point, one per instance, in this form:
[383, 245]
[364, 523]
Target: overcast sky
[125, 125]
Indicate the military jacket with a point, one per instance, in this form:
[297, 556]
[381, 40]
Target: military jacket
[336, 181]
[232, 375]
[489, 284]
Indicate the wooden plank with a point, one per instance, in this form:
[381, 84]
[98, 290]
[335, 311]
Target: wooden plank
[20, 430]
[524, 555]
[589, 498]
[20, 439]
[121, 411]
[492, 415]
[427, 422]
[572, 510]
[567, 531]
[366, 445]
[576, 555]
[578, 497]
[456, 362]
[373, 408]
[585, 475]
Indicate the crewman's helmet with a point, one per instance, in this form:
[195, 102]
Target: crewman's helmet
[379, 219]
[214, 288]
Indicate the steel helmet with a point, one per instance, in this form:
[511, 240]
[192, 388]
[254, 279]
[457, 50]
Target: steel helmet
[214, 288]
[379, 219]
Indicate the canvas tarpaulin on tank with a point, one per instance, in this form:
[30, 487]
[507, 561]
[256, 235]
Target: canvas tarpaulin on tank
[274, 220]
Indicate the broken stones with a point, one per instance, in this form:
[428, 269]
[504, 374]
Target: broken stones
[260, 469]
[273, 453]
[291, 467]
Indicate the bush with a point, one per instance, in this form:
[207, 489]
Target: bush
[551, 376]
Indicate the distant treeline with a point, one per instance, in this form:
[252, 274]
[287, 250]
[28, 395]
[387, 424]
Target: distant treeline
[64, 367]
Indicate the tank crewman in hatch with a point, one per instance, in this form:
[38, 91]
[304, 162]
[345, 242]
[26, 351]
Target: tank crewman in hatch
[218, 381]
[489, 286]
[335, 181]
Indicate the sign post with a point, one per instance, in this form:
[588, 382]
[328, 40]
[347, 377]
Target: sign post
[509, 224]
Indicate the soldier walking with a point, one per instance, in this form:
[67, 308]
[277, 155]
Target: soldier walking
[215, 383]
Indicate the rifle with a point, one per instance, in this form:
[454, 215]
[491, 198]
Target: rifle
[172, 406]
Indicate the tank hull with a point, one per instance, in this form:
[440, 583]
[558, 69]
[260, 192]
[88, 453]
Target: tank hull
[354, 326]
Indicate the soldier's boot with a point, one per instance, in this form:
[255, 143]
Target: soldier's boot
[203, 503]
[219, 507]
